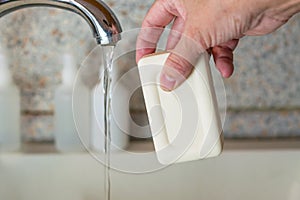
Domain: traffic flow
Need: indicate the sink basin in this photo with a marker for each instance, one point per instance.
(238, 174)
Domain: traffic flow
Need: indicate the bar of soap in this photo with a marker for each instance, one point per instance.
(185, 123)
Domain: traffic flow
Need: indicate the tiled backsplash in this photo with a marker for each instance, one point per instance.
(263, 95)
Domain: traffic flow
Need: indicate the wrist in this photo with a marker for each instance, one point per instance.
(283, 9)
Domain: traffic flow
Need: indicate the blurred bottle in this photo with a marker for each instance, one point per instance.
(66, 137)
(119, 124)
(10, 137)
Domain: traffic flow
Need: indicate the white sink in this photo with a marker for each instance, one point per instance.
(272, 174)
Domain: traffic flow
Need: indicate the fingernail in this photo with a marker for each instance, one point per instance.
(223, 74)
(167, 82)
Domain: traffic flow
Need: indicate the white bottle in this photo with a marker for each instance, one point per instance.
(10, 137)
(68, 137)
(119, 124)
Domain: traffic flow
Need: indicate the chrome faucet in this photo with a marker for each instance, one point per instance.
(99, 16)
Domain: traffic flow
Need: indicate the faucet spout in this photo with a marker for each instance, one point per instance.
(97, 14)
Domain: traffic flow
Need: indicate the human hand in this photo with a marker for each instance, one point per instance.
(214, 25)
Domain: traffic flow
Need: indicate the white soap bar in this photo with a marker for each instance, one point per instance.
(185, 122)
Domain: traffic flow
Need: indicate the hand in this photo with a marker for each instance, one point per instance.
(214, 25)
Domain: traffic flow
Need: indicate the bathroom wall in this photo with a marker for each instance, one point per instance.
(263, 96)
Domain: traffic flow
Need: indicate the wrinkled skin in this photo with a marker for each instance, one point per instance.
(214, 26)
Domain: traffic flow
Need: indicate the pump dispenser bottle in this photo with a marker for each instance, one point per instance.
(9, 109)
(67, 139)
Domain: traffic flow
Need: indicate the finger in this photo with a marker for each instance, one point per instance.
(147, 41)
(153, 25)
(175, 33)
(175, 71)
(179, 64)
(223, 57)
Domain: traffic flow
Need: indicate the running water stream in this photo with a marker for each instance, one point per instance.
(107, 81)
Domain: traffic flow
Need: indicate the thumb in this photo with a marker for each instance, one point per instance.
(180, 63)
(175, 71)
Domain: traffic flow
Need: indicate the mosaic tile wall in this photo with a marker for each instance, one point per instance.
(263, 96)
